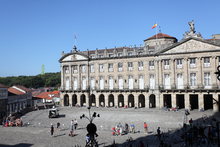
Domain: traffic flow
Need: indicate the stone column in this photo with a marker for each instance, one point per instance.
(136, 103)
(78, 99)
(71, 77)
(185, 73)
(79, 77)
(156, 64)
(187, 101)
(159, 100)
(106, 100)
(97, 100)
(116, 99)
(160, 73)
(147, 100)
(215, 100)
(87, 99)
(200, 73)
(214, 68)
(173, 99)
(126, 99)
(62, 81)
(201, 101)
(70, 99)
(173, 76)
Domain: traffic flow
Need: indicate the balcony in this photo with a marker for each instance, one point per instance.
(166, 66)
(207, 64)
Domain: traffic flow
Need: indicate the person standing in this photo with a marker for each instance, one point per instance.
(75, 124)
(145, 128)
(158, 133)
(51, 130)
(58, 125)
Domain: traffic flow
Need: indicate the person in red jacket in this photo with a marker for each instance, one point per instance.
(145, 127)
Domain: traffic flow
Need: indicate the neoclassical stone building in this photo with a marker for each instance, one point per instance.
(164, 72)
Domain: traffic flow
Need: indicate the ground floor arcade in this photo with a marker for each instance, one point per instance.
(200, 101)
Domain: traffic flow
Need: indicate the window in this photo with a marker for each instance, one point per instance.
(92, 68)
(152, 82)
(111, 82)
(75, 83)
(192, 62)
(92, 83)
(83, 83)
(206, 62)
(180, 81)
(140, 65)
(179, 63)
(141, 82)
(67, 86)
(75, 70)
(120, 66)
(130, 66)
(166, 64)
(151, 64)
(92, 56)
(192, 79)
(101, 56)
(120, 82)
(207, 80)
(130, 82)
(110, 67)
(110, 55)
(83, 68)
(129, 53)
(66, 69)
(119, 54)
(167, 81)
(101, 68)
(101, 83)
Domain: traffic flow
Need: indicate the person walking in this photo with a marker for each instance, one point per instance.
(145, 128)
(51, 130)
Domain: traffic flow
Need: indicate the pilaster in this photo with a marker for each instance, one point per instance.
(173, 99)
(201, 101)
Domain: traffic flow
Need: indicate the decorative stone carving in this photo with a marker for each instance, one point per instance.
(192, 46)
(192, 32)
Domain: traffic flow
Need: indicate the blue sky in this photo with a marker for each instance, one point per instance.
(35, 32)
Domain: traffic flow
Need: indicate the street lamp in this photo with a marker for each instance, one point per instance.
(91, 128)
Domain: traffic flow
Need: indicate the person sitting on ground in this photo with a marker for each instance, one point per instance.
(132, 128)
(126, 128)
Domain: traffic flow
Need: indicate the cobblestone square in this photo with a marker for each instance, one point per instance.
(36, 129)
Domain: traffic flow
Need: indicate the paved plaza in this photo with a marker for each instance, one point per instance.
(36, 129)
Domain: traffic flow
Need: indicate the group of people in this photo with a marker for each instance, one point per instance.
(119, 129)
(73, 126)
(11, 121)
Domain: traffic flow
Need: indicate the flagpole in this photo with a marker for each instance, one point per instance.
(156, 34)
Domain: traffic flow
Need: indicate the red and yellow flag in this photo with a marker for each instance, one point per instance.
(154, 26)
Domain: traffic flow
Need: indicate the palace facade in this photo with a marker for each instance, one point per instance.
(162, 73)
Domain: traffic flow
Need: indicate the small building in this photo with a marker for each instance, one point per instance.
(3, 101)
(19, 98)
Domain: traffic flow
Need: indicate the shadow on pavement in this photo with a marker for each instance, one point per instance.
(202, 132)
(17, 145)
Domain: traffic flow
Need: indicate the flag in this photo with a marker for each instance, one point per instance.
(154, 26)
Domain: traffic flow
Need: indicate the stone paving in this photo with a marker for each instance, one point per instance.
(36, 130)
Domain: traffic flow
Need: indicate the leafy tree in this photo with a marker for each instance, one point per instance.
(48, 80)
